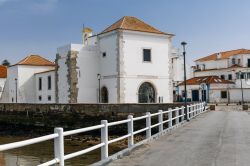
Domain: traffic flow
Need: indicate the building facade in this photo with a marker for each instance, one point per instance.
(231, 77)
(3, 76)
(129, 62)
(21, 85)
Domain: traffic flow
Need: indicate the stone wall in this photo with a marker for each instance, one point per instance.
(41, 119)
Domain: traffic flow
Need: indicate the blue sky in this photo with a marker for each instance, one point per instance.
(40, 26)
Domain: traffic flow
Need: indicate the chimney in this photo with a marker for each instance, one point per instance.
(218, 55)
(86, 33)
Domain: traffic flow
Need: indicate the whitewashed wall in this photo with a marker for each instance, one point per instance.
(25, 83)
(108, 65)
(45, 92)
(2, 82)
(136, 71)
(88, 64)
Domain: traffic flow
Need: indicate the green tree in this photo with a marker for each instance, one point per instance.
(5, 62)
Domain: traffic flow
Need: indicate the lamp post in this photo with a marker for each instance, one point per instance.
(16, 88)
(185, 77)
(99, 87)
(242, 95)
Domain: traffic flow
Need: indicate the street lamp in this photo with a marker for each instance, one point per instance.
(185, 77)
(242, 95)
(16, 88)
(99, 87)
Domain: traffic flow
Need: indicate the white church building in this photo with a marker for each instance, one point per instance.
(128, 62)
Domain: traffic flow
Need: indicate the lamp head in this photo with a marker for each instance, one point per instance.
(183, 44)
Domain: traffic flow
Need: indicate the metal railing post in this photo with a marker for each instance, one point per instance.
(176, 115)
(59, 146)
(182, 113)
(160, 120)
(104, 139)
(148, 125)
(170, 118)
(130, 131)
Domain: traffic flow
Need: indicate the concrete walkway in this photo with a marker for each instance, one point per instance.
(216, 138)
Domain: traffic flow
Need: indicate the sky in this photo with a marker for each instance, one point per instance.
(41, 26)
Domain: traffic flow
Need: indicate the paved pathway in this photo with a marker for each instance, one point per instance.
(216, 138)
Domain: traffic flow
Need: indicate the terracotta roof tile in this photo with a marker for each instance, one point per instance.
(3, 71)
(35, 60)
(133, 24)
(224, 55)
(207, 80)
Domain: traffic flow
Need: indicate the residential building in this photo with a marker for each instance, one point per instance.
(45, 86)
(225, 75)
(3, 76)
(21, 82)
(128, 62)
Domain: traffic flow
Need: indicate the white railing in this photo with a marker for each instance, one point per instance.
(174, 117)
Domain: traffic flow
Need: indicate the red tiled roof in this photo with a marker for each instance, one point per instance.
(133, 24)
(224, 55)
(35, 60)
(3, 71)
(207, 80)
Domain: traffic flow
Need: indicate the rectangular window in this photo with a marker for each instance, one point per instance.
(230, 77)
(224, 94)
(248, 63)
(40, 83)
(49, 98)
(233, 61)
(40, 98)
(242, 75)
(238, 61)
(222, 77)
(49, 82)
(147, 55)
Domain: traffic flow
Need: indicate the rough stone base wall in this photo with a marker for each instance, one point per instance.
(40, 119)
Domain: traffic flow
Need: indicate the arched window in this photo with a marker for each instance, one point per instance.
(146, 93)
(104, 95)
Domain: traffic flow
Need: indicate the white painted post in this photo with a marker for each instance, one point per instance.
(176, 115)
(104, 139)
(148, 125)
(200, 107)
(182, 113)
(160, 120)
(131, 131)
(59, 146)
(188, 112)
(196, 108)
(170, 118)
